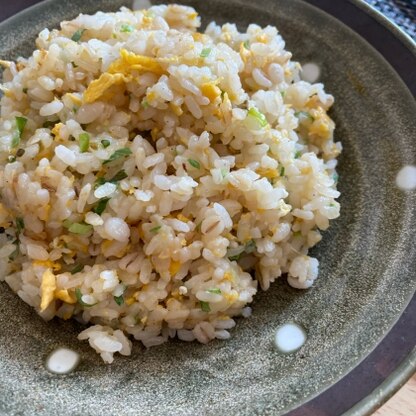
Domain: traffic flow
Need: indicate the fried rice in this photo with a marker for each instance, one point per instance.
(153, 176)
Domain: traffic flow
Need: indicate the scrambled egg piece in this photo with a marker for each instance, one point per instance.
(176, 109)
(231, 297)
(100, 86)
(65, 296)
(56, 131)
(47, 263)
(174, 267)
(198, 36)
(182, 218)
(47, 287)
(229, 276)
(210, 90)
(268, 173)
(129, 61)
(262, 38)
(323, 126)
(75, 99)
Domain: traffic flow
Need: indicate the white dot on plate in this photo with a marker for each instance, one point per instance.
(290, 337)
(310, 72)
(62, 361)
(406, 178)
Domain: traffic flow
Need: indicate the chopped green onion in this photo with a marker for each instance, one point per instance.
(215, 290)
(126, 28)
(205, 306)
(145, 104)
(283, 93)
(25, 90)
(256, 120)
(20, 224)
(78, 295)
(11, 159)
(198, 227)
(304, 114)
(194, 163)
(67, 223)
(298, 154)
(100, 181)
(332, 204)
(224, 172)
(205, 52)
(282, 171)
(74, 65)
(76, 37)
(297, 234)
(125, 151)
(78, 268)
(79, 228)
(155, 229)
(101, 206)
(49, 124)
(15, 139)
(20, 152)
(246, 44)
(250, 246)
(84, 142)
(16, 252)
(119, 300)
(105, 143)
(21, 123)
(120, 175)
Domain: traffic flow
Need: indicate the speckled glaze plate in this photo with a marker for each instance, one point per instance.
(368, 257)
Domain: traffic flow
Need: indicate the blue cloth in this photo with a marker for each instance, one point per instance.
(402, 12)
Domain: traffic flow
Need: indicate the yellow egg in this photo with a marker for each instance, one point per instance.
(174, 267)
(65, 296)
(262, 38)
(75, 99)
(231, 297)
(47, 263)
(47, 287)
(129, 301)
(210, 90)
(56, 131)
(268, 173)
(322, 126)
(228, 276)
(182, 218)
(98, 87)
(176, 109)
(129, 61)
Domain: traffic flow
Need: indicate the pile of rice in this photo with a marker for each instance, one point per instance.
(152, 176)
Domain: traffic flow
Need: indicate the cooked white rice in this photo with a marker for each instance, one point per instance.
(161, 174)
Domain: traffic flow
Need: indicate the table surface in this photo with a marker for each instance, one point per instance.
(403, 403)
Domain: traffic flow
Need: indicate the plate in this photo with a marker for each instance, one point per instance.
(368, 256)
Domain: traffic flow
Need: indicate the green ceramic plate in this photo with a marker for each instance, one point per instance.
(368, 257)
